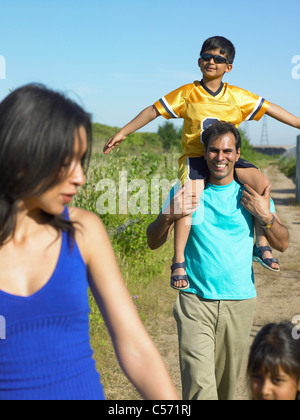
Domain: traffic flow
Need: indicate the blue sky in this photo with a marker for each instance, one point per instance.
(116, 57)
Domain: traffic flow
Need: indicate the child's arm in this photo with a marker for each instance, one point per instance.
(283, 116)
(145, 117)
(253, 177)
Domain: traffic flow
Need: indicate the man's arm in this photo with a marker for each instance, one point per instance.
(283, 116)
(278, 235)
(159, 231)
(259, 207)
(182, 204)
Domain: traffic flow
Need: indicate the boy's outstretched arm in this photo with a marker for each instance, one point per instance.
(145, 117)
(283, 116)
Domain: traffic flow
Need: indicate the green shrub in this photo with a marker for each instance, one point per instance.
(288, 167)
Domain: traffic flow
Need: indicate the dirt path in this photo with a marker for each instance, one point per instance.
(278, 293)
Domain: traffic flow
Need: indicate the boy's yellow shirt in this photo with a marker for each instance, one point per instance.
(200, 107)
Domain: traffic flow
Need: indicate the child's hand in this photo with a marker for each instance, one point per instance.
(113, 142)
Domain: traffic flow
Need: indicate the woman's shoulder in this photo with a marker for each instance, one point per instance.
(89, 230)
(83, 216)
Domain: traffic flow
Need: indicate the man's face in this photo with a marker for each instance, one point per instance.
(221, 156)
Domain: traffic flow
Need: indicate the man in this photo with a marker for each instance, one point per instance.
(215, 315)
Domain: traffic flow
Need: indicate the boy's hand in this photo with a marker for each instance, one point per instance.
(113, 142)
(146, 116)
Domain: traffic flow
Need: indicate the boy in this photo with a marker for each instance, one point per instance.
(201, 104)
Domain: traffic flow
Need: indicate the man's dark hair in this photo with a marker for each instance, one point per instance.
(220, 128)
(225, 46)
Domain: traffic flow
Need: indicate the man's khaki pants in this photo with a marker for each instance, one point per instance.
(213, 339)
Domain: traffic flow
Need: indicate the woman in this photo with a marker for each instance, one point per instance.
(50, 255)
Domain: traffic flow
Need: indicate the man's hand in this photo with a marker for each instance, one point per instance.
(258, 205)
(113, 142)
(183, 204)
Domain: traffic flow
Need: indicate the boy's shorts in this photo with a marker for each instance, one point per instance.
(196, 168)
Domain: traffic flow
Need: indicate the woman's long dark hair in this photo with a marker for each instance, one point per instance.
(275, 346)
(37, 134)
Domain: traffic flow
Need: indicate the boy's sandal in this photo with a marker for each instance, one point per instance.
(178, 278)
(265, 262)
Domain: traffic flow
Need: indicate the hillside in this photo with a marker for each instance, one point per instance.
(157, 145)
(135, 144)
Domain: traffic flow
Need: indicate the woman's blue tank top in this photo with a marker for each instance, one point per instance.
(46, 353)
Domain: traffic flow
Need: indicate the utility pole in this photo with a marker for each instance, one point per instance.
(298, 171)
(264, 134)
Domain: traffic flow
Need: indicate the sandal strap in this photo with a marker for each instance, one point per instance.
(270, 261)
(178, 265)
(178, 278)
(263, 249)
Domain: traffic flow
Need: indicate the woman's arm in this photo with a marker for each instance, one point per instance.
(137, 354)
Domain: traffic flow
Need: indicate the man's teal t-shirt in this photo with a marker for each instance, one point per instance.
(220, 246)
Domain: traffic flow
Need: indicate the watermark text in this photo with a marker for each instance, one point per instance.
(296, 68)
(138, 196)
(135, 196)
(2, 67)
(2, 328)
(296, 329)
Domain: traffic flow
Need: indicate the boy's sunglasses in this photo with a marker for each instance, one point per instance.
(218, 59)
